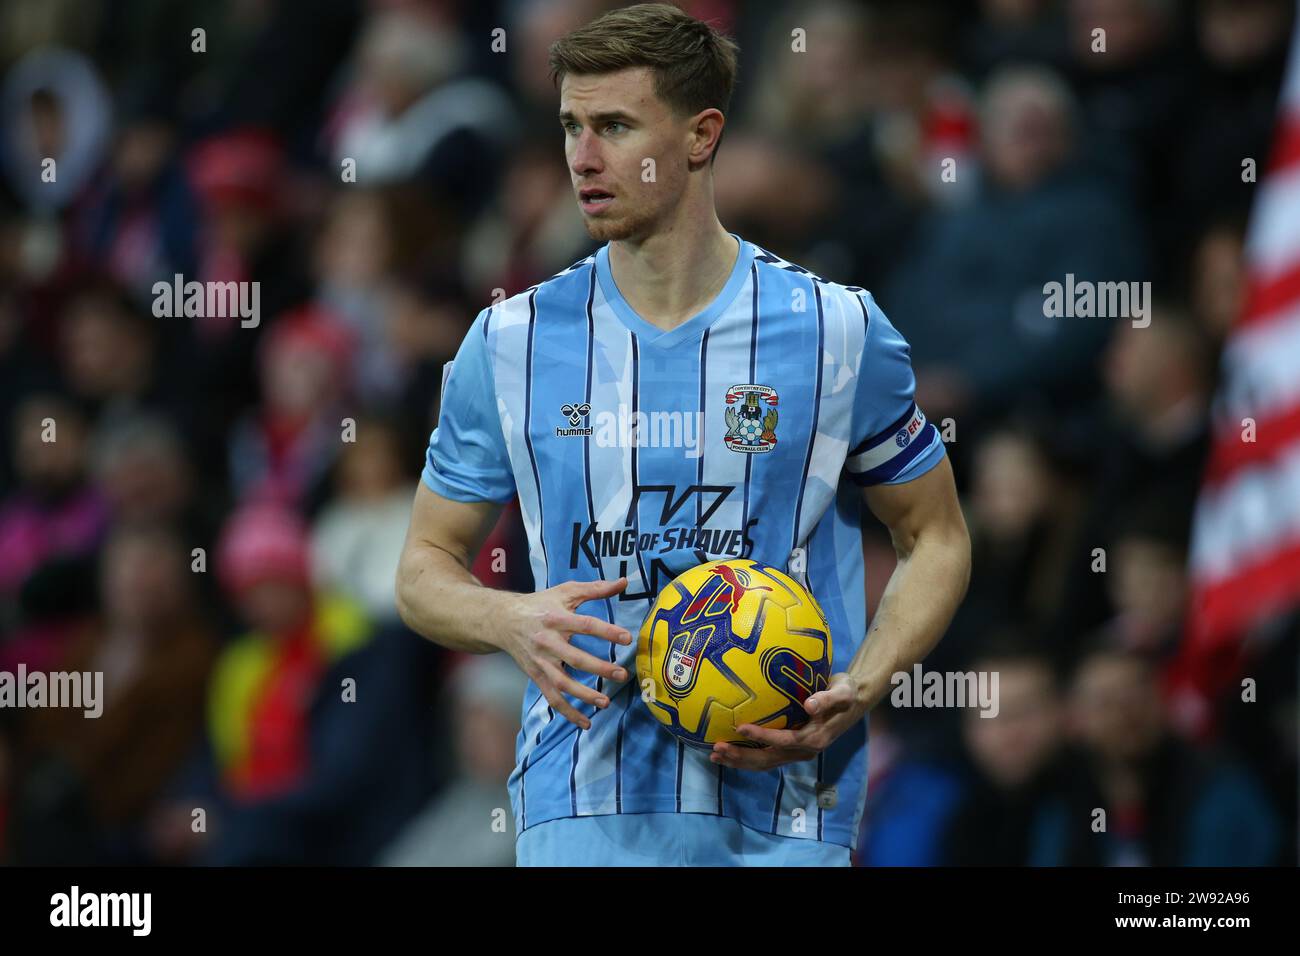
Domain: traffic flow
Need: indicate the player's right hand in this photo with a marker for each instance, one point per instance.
(537, 635)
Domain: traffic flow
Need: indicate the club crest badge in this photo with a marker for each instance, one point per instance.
(751, 418)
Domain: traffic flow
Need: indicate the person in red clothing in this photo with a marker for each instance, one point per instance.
(316, 753)
(265, 690)
(266, 680)
(282, 450)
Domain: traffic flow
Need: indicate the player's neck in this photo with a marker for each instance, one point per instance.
(673, 275)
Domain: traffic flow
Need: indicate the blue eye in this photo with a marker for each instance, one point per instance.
(610, 126)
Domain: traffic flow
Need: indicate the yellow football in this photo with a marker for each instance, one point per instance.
(732, 642)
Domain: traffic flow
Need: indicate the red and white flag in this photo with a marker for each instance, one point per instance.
(1245, 551)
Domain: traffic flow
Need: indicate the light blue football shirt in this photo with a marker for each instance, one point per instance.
(638, 452)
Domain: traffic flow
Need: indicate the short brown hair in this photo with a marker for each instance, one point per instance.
(694, 65)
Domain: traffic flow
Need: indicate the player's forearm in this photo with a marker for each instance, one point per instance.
(918, 604)
(438, 598)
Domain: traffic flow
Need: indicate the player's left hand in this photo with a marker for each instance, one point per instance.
(830, 713)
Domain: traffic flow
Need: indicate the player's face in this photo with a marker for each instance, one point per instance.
(613, 123)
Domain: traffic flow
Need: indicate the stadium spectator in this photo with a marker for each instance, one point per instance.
(1022, 515)
(282, 451)
(141, 466)
(137, 220)
(1015, 31)
(469, 822)
(111, 356)
(1012, 794)
(529, 228)
(812, 146)
(373, 244)
(147, 475)
(50, 527)
(1157, 382)
(315, 751)
(1025, 803)
(357, 538)
(412, 113)
(1228, 120)
(1127, 72)
(1166, 804)
(54, 108)
(1218, 282)
(982, 338)
(1148, 580)
(424, 323)
(247, 234)
(154, 648)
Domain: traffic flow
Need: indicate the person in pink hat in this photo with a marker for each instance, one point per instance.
(266, 680)
(314, 754)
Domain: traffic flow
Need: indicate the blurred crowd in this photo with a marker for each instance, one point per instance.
(217, 523)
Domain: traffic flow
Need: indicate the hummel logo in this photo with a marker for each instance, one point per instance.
(576, 413)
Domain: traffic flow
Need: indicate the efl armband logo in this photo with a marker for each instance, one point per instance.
(910, 430)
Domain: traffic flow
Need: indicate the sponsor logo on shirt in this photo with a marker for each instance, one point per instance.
(625, 549)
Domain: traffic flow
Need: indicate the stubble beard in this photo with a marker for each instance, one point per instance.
(635, 224)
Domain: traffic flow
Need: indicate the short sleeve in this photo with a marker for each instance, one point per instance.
(467, 458)
(892, 442)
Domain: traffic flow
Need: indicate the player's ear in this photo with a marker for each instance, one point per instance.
(705, 132)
